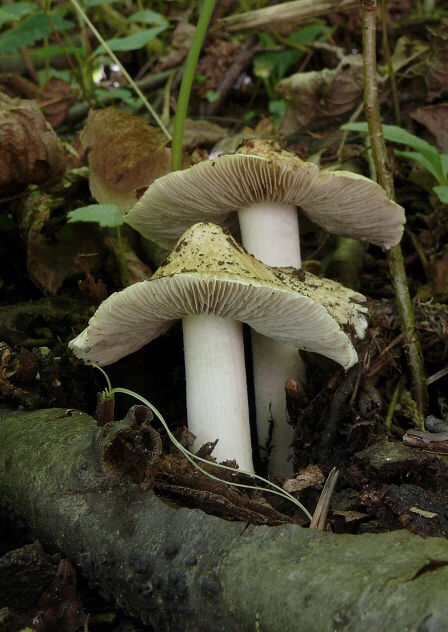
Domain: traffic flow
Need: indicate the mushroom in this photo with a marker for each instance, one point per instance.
(265, 184)
(214, 285)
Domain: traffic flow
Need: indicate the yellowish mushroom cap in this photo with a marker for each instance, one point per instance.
(209, 273)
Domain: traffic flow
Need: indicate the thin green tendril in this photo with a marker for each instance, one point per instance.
(193, 458)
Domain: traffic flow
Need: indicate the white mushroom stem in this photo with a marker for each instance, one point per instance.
(217, 405)
(270, 232)
(273, 364)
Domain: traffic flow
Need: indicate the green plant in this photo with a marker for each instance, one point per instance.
(107, 216)
(33, 22)
(196, 460)
(187, 82)
(271, 66)
(395, 258)
(425, 154)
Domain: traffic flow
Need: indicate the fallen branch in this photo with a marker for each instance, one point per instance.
(181, 569)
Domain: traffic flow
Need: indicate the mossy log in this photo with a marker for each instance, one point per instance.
(181, 569)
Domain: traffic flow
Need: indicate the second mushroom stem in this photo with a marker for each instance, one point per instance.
(270, 232)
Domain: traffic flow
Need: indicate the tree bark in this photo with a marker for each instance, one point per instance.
(181, 569)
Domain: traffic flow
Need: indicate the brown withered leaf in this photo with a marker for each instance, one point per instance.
(55, 99)
(51, 252)
(435, 69)
(407, 50)
(125, 155)
(30, 151)
(25, 573)
(322, 94)
(14, 86)
(181, 40)
(435, 118)
(311, 476)
(59, 606)
(201, 132)
(437, 286)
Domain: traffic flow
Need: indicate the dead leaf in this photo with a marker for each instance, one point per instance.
(60, 607)
(180, 45)
(437, 287)
(202, 132)
(435, 69)
(51, 256)
(30, 151)
(435, 118)
(322, 94)
(55, 99)
(125, 154)
(14, 86)
(407, 49)
(311, 476)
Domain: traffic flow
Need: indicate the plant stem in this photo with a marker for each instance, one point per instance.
(390, 66)
(187, 82)
(395, 256)
(123, 266)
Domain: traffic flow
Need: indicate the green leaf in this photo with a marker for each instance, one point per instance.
(121, 94)
(280, 62)
(106, 215)
(131, 42)
(51, 51)
(444, 161)
(212, 96)
(16, 11)
(44, 74)
(426, 160)
(278, 108)
(95, 3)
(395, 134)
(33, 29)
(442, 193)
(149, 17)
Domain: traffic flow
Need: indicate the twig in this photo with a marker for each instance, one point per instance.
(285, 13)
(323, 504)
(394, 255)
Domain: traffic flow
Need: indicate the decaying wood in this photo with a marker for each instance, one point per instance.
(181, 569)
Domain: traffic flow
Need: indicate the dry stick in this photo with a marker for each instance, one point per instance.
(285, 13)
(394, 255)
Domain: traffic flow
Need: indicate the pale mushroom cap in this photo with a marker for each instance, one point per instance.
(341, 202)
(209, 273)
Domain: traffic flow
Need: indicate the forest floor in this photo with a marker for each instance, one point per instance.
(296, 82)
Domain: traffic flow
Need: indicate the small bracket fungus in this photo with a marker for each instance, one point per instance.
(214, 285)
